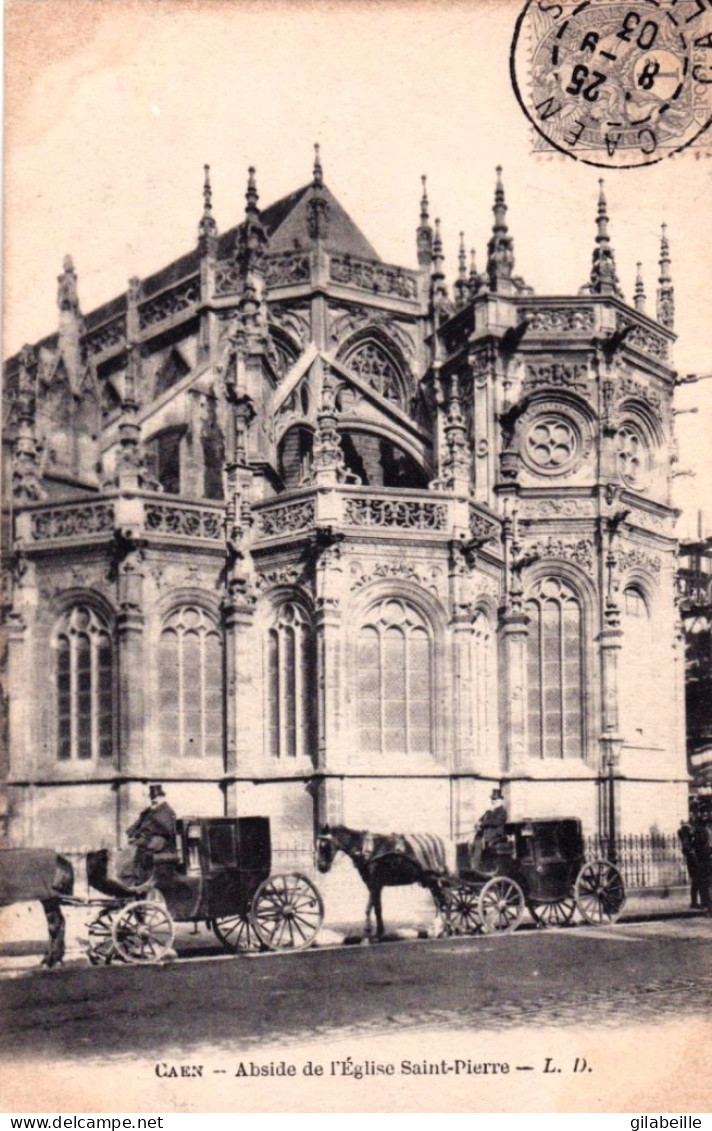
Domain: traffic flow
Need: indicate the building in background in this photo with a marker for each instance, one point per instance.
(306, 534)
(695, 595)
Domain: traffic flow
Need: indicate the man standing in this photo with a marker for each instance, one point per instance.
(686, 836)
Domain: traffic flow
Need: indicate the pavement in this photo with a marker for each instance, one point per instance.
(408, 914)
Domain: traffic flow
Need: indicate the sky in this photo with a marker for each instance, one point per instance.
(113, 107)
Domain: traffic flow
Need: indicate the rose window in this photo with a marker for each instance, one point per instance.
(631, 455)
(551, 444)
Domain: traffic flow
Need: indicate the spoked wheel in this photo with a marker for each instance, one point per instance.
(143, 932)
(237, 933)
(101, 941)
(600, 893)
(501, 906)
(287, 912)
(556, 914)
(460, 908)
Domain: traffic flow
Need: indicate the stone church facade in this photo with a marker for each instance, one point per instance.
(301, 533)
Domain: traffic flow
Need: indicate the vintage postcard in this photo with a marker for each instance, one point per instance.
(357, 546)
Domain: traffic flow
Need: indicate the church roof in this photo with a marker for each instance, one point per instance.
(286, 223)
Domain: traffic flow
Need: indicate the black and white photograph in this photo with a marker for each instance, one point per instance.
(356, 683)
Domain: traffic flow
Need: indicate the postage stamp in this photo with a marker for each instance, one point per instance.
(615, 84)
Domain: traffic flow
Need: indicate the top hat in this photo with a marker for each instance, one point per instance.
(156, 790)
(496, 795)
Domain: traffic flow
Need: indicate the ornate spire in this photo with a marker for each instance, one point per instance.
(251, 196)
(438, 290)
(604, 279)
(207, 229)
(26, 478)
(318, 179)
(252, 238)
(500, 249)
(639, 289)
(329, 466)
(424, 233)
(666, 291)
(318, 205)
(462, 288)
(67, 298)
(474, 280)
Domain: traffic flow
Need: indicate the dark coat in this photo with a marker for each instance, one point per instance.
(155, 829)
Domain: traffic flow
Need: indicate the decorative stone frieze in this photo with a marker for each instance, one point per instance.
(429, 577)
(169, 304)
(403, 513)
(551, 374)
(184, 521)
(74, 520)
(482, 527)
(639, 559)
(287, 270)
(579, 551)
(558, 320)
(367, 275)
(556, 508)
(285, 518)
(107, 337)
(644, 339)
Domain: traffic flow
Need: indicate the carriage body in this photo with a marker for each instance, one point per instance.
(217, 868)
(538, 864)
(544, 856)
(219, 873)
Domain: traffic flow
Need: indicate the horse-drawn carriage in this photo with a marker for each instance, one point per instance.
(219, 874)
(537, 865)
(534, 864)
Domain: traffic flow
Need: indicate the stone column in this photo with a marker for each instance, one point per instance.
(329, 661)
(513, 651)
(243, 738)
(130, 658)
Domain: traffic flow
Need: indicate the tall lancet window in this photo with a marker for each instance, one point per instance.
(636, 677)
(190, 684)
(395, 681)
(555, 671)
(484, 682)
(85, 686)
(290, 683)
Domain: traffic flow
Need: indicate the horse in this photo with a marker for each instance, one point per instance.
(28, 874)
(392, 860)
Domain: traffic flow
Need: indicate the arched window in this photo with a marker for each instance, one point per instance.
(555, 671)
(85, 687)
(632, 456)
(635, 673)
(290, 684)
(394, 681)
(484, 684)
(373, 364)
(296, 451)
(191, 684)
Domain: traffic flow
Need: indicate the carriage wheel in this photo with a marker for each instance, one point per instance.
(237, 933)
(461, 908)
(287, 912)
(501, 905)
(101, 941)
(556, 914)
(600, 893)
(142, 932)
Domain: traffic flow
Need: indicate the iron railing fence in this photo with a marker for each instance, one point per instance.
(649, 860)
